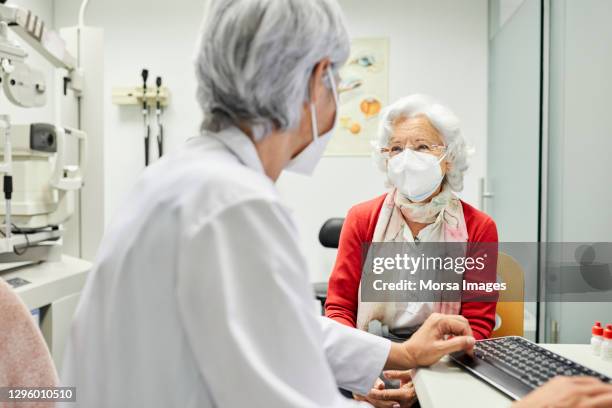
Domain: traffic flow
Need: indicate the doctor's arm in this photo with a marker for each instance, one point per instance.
(365, 351)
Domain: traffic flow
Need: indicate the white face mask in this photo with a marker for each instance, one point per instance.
(416, 175)
(306, 161)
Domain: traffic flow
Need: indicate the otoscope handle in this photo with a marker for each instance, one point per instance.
(158, 82)
(145, 77)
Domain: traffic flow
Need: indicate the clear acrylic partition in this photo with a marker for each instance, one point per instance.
(579, 199)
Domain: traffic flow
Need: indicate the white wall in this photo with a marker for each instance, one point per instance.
(437, 47)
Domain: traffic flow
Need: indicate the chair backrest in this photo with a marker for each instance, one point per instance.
(25, 360)
(510, 312)
(329, 235)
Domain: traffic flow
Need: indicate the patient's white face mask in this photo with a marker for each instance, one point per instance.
(306, 161)
(416, 175)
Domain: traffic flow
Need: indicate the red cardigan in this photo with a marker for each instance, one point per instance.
(358, 229)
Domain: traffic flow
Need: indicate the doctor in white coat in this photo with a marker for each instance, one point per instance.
(199, 296)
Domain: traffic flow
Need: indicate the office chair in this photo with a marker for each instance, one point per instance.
(509, 314)
(329, 237)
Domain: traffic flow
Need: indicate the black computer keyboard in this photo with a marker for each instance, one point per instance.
(517, 366)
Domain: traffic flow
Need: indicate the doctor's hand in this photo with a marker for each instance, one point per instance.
(569, 392)
(431, 342)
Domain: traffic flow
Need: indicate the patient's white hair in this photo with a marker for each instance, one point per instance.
(441, 117)
(255, 59)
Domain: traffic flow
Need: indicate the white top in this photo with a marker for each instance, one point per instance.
(199, 297)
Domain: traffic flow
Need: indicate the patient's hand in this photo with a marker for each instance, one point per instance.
(566, 392)
(429, 344)
(403, 397)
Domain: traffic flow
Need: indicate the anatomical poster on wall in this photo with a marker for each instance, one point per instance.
(364, 92)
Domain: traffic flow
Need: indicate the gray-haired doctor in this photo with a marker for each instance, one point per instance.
(200, 295)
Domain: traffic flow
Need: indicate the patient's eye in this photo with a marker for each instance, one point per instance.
(396, 149)
(423, 147)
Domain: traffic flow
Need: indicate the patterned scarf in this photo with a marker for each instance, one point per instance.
(444, 216)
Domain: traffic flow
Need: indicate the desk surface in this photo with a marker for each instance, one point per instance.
(446, 385)
(49, 281)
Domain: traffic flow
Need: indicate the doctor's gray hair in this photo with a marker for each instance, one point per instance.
(441, 117)
(255, 59)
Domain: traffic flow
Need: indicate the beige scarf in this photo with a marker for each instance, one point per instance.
(444, 214)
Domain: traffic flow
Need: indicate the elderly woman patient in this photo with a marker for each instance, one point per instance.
(422, 151)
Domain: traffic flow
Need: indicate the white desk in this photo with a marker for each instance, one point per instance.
(446, 385)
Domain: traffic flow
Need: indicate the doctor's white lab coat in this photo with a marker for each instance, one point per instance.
(200, 297)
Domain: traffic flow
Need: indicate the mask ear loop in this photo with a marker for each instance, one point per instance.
(314, 123)
(313, 110)
(332, 81)
(443, 156)
(313, 120)
(440, 161)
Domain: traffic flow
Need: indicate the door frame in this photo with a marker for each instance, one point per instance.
(541, 332)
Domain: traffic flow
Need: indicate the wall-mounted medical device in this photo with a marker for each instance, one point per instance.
(133, 96)
(43, 194)
(146, 97)
(23, 85)
(38, 182)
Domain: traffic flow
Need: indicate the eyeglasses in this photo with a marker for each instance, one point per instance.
(421, 147)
